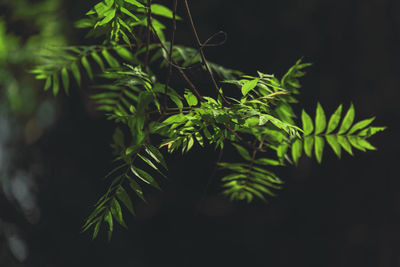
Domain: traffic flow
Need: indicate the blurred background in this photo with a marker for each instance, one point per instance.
(54, 152)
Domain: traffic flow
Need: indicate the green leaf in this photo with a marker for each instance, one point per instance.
(76, 73)
(319, 148)
(98, 60)
(249, 85)
(233, 176)
(156, 155)
(117, 212)
(348, 120)
(86, 65)
(190, 98)
(135, 3)
(56, 84)
(345, 144)
(243, 152)
(176, 100)
(364, 143)
(90, 224)
(190, 143)
(124, 53)
(320, 119)
(109, 16)
(65, 80)
(370, 131)
(124, 197)
(297, 150)
(151, 164)
(109, 220)
(127, 12)
(262, 120)
(101, 8)
(47, 83)
(96, 230)
(145, 177)
(308, 145)
(110, 59)
(199, 138)
(308, 126)
(361, 125)
(334, 144)
(354, 142)
(161, 10)
(334, 120)
(266, 161)
(136, 188)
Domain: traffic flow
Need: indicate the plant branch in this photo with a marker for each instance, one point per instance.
(190, 83)
(148, 33)
(170, 49)
(200, 47)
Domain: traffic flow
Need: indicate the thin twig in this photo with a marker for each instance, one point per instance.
(171, 47)
(148, 33)
(203, 58)
(191, 85)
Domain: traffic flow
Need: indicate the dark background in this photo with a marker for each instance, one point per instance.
(341, 213)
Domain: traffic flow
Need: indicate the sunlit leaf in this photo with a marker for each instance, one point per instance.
(145, 177)
(320, 120)
(76, 73)
(127, 12)
(161, 10)
(96, 230)
(308, 145)
(242, 151)
(124, 197)
(190, 98)
(249, 85)
(360, 125)
(47, 83)
(370, 131)
(156, 155)
(117, 212)
(136, 188)
(334, 120)
(334, 144)
(98, 60)
(86, 65)
(266, 161)
(65, 79)
(109, 16)
(347, 120)
(135, 3)
(345, 144)
(110, 59)
(308, 126)
(297, 150)
(56, 84)
(319, 148)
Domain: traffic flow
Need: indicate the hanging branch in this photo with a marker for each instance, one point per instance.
(261, 114)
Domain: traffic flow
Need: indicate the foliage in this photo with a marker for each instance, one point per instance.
(257, 119)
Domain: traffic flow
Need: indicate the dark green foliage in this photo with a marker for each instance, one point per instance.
(260, 124)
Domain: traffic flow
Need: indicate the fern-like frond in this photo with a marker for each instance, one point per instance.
(59, 64)
(250, 179)
(347, 136)
(126, 174)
